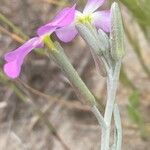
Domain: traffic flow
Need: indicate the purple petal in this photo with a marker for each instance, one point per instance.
(101, 19)
(12, 69)
(64, 18)
(15, 59)
(92, 5)
(46, 29)
(66, 34)
(29, 45)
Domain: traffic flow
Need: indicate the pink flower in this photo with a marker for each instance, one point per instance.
(14, 59)
(101, 19)
(64, 27)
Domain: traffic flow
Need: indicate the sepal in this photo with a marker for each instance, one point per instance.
(116, 33)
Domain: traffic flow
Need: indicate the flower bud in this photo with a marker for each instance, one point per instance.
(88, 36)
(103, 40)
(98, 41)
(117, 33)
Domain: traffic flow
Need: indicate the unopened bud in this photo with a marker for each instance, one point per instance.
(117, 33)
(104, 40)
(88, 36)
(98, 41)
(99, 64)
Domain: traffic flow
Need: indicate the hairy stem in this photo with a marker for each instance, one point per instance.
(118, 128)
(112, 82)
(99, 117)
(61, 59)
(58, 55)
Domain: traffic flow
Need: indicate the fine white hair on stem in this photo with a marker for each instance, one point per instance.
(99, 117)
(118, 127)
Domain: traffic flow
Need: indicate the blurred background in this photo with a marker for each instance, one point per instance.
(40, 111)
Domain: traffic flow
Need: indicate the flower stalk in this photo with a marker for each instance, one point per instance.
(109, 51)
(112, 83)
(117, 53)
(56, 52)
(118, 129)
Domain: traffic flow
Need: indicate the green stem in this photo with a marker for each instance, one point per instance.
(112, 82)
(58, 55)
(118, 127)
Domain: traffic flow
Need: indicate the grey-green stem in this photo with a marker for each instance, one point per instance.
(112, 82)
(57, 54)
(100, 50)
(61, 59)
(118, 128)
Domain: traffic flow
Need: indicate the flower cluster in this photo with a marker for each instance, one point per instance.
(64, 27)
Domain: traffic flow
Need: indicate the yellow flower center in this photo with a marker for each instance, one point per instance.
(85, 19)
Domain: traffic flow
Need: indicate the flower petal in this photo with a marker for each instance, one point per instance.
(12, 69)
(64, 18)
(66, 34)
(46, 29)
(15, 59)
(27, 46)
(92, 5)
(101, 19)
